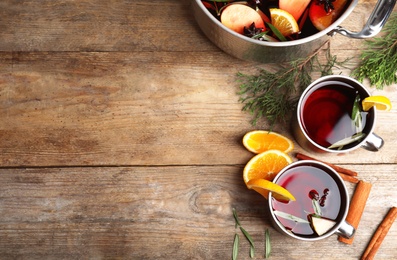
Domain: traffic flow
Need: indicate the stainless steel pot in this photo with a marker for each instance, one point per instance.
(245, 48)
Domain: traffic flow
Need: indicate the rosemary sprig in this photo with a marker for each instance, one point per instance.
(268, 247)
(289, 217)
(357, 125)
(379, 59)
(236, 246)
(250, 240)
(273, 95)
(236, 218)
(348, 140)
(356, 115)
(316, 207)
(237, 239)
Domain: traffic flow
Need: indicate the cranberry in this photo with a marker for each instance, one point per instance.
(324, 197)
(322, 201)
(313, 194)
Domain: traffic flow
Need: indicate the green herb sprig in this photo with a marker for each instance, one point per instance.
(237, 239)
(357, 125)
(268, 246)
(236, 244)
(273, 95)
(289, 217)
(316, 207)
(356, 115)
(348, 140)
(379, 59)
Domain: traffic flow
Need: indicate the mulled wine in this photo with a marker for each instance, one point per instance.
(318, 194)
(327, 114)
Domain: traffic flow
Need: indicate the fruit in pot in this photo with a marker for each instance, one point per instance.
(283, 21)
(263, 15)
(238, 16)
(294, 7)
(323, 13)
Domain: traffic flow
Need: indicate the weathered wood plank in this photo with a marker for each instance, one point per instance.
(159, 212)
(99, 26)
(135, 83)
(91, 103)
(133, 108)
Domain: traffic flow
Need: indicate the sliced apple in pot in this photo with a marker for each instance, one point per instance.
(238, 16)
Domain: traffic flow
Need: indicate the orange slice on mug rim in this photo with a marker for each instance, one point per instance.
(265, 165)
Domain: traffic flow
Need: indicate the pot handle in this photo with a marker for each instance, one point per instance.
(375, 22)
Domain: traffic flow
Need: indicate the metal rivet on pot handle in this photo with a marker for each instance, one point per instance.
(375, 22)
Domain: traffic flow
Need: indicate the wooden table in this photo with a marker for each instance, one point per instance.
(120, 138)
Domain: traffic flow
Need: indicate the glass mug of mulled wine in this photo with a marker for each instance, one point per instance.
(321, 205)
(329, 117)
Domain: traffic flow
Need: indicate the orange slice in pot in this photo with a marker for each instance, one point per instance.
(283, 21)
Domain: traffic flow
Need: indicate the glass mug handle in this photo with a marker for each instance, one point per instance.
(373, 143)
(345, 230)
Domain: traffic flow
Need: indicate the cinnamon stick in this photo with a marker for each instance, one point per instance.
(357, 206)
(380, 234)
(348, 178)
(300, 156)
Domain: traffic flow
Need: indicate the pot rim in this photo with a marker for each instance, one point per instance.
(315, 36)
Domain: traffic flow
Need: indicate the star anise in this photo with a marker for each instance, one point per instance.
(328, 6)
(252, 31)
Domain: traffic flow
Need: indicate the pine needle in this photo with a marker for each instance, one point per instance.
(379, 59)
(273, 95)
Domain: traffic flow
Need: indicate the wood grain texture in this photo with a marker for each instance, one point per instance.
(124, 109)
(158, 212)
(87, 25)
(120, 138)
(127, 108)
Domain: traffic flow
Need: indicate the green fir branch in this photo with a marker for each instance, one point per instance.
(273, 95)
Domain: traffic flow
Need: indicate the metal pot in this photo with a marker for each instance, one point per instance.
(245, 48)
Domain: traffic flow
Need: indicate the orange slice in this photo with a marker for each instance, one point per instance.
(263, 187)
(259, 141)
(380, 102)
(283, 21)
(265, 165)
